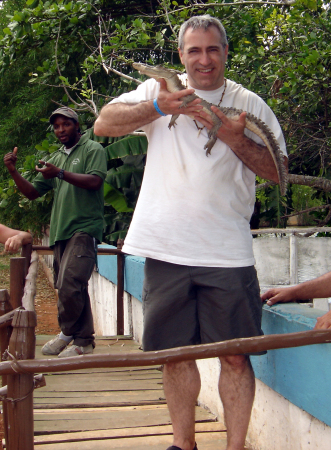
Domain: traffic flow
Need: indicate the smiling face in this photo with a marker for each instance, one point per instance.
(204, 57)
(66, 130)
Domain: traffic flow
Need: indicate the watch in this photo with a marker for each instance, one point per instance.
(60, 174)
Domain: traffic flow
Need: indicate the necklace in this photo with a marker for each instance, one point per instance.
(219, 103)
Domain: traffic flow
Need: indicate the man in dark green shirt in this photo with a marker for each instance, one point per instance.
(76, 173)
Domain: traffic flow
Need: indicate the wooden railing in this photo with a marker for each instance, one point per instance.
(17, 340)
(17, 337)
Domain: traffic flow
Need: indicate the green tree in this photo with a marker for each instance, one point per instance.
(80, 53)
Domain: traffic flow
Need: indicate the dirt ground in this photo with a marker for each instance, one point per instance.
(45, 300)
(45, 303)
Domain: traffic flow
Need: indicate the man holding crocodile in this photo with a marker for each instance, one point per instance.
(192, 223)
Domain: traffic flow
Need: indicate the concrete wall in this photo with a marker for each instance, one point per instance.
(290, 259)
(297, 397)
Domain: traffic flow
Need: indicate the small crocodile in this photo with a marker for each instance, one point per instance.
(253, 124)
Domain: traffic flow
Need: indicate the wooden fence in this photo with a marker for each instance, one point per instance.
(17, 341)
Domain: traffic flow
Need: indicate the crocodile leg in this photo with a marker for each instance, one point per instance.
(172, 122)
(212, 135)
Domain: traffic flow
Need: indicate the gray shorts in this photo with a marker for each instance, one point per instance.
(186, 305)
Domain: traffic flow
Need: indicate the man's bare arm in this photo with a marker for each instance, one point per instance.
(118, 119)
(13, 239)
(81, 180)
(317, 288)
(255, 156)
(14, 243)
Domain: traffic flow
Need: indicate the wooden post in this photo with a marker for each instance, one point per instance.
(120, 289)
(5, 307)
(26, 253)
(5, 333)
(20, 387)
(17, 281)
(30, 287)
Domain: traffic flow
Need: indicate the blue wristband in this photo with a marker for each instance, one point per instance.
(156, 106)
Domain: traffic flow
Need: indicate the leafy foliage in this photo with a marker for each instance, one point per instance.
(69, 53)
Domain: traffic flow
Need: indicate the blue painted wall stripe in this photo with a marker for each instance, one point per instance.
(107, 265)
(133, 271)
(302, 374)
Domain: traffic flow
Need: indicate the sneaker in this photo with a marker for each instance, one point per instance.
(54, 346)
(76, 350)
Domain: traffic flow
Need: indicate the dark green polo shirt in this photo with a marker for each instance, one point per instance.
(76, 209)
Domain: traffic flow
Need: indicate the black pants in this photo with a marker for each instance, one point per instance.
(74, 261)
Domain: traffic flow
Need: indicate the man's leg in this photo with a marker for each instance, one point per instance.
(237, 390)
(170, 320)
(181, 384)
(76, 266)
(61, 341)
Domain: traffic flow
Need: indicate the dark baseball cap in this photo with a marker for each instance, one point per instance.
(64, 111)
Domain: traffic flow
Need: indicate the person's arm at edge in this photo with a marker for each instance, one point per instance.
(323, 322)
(317, 288)
(14, 243)
(13, 239)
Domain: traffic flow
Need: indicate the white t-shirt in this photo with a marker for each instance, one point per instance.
(193, 209)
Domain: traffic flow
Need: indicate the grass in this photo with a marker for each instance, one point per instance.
(4, 265)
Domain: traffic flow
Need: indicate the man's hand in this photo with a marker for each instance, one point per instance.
(278, 295)
(10, 160)
(231, 132)
(48, 170)
(255, 156)
(324, 322)
(171, 103)
(22, 183)
(282, 295)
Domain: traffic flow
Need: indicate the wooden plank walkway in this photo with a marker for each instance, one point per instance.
(120, 408)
